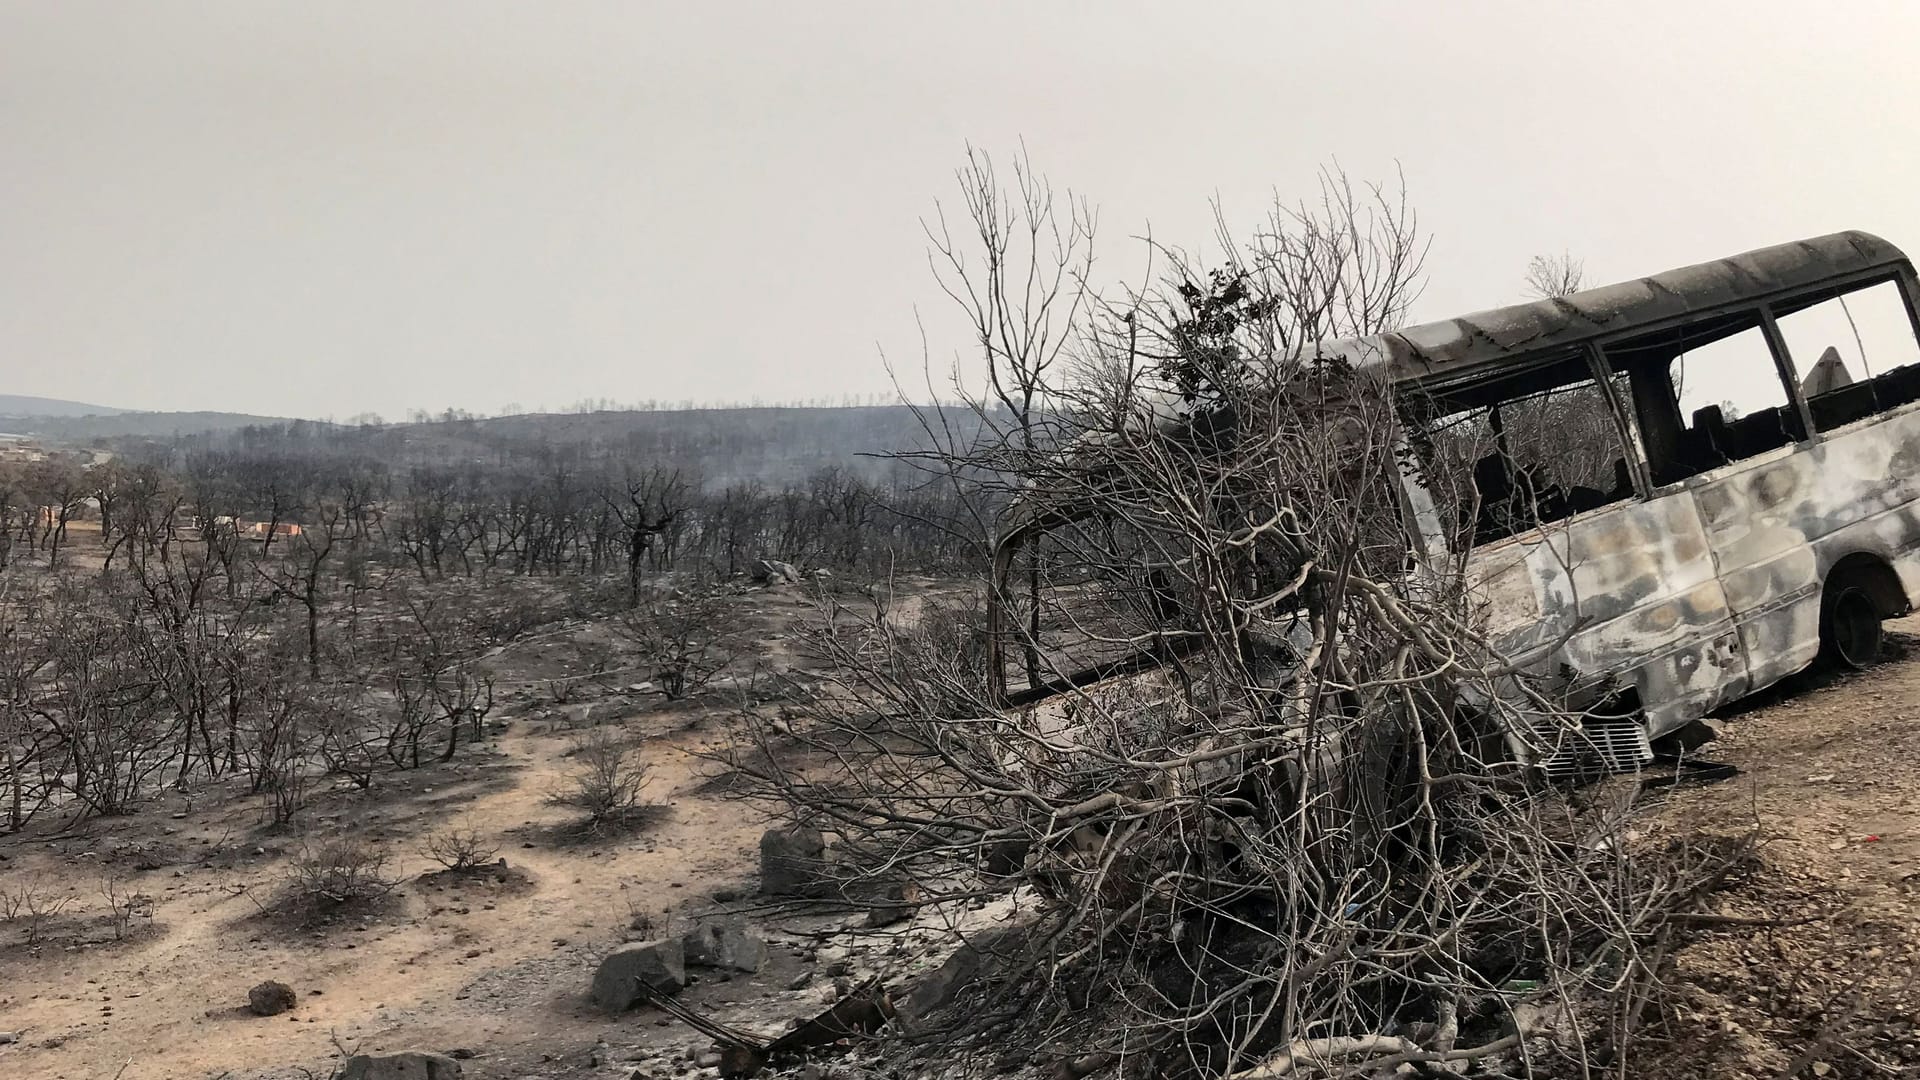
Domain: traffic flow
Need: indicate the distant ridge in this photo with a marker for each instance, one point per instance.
(775, 445)
(28, 406)
(84, 428)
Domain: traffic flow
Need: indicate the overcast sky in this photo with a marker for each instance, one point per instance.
(322, 208)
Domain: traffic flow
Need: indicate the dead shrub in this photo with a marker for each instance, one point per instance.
(32, 904)
(945, 650)
(459, 849)
(607, 780)
(643, 922)
(338, 873)
(511, 613)
(125, 905)
(688, 637)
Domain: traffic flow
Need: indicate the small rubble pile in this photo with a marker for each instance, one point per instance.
(660, 967)
(407, 1066)
(793, 862)
(798, 862)
(774, 572)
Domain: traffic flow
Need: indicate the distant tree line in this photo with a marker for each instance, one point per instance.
(291, 603)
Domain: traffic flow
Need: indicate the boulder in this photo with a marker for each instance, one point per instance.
(724, 945)
(408, 1066)
(271, 998)
(661, 965)
(941, 987)
(773, 572)
(793, 862)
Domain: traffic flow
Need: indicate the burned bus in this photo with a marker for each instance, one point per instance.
(1682, 488)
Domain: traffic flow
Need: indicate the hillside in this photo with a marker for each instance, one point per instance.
(774, 445)
(24, 405)
(111, 424)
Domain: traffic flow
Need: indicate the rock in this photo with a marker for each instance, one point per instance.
(724, 945)
(793, 862)
(408, 1066)
(940, 988)
(773, 572)
(271, 998)
(607, 712)
(661, 965)
(8, 1038)
(889, 902)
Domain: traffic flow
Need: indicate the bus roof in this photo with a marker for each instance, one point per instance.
(1486, 339)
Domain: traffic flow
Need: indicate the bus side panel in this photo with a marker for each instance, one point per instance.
(1766, 564)
(1779, 523)
(1639, 581)
(1869, 497)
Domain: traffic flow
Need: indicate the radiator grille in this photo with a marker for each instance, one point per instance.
(1601, 746)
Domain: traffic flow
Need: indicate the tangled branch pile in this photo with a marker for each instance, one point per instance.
(1292, 840)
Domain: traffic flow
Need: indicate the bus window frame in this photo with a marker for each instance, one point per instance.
(1424, 527)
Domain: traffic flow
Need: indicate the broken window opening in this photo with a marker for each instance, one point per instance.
(1856, 351)
(1706, 393)
(1505, 455)
(1085, 595)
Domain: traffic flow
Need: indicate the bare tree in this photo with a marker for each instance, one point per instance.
(1296, 831)
(1554, 275)
(1017, 268)
(62, 490)
(652, 500)
(301, 574)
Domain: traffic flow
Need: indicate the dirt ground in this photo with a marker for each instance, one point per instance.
(1811, 972)
(458, 962)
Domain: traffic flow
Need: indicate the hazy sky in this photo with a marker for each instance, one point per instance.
(322, 208)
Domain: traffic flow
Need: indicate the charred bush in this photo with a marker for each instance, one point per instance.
(607, 781)
(334, 875)
(460, 849)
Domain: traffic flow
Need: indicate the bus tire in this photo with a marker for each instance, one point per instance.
(1850, 631)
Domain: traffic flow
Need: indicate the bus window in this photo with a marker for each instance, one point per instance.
(1856, 353)
(1706, 393)
(1509, 454)
(1080, 596)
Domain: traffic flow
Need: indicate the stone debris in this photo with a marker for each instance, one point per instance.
(407, 1066)
(774, 572)
(271, 998)
(793, 862)
(724, 945)
(661, 965)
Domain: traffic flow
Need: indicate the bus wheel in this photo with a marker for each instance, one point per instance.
(1849, 626)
